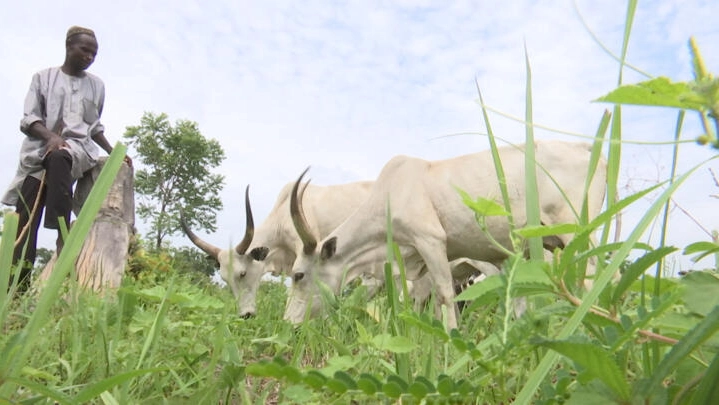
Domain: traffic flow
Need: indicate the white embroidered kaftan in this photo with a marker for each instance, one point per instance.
(66, 104)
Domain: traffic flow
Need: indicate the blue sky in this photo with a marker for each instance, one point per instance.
(343, 86)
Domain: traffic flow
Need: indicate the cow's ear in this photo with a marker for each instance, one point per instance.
(259, 253)
(328, 248)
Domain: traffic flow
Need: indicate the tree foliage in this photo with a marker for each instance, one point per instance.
(177, 173)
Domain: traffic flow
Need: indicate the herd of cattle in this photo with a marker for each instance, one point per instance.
(336, 234)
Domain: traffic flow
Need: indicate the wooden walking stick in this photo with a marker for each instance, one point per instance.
(35, 206)
(33, 212)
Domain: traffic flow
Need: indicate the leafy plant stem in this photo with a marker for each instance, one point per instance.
(576, 301)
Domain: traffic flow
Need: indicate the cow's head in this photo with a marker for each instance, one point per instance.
(240, 269)
(311, 267)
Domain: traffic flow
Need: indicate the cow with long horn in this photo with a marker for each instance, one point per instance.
(431, 224)
(234, 265)
(275, 244)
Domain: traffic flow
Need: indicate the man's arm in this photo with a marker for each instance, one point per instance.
(100, 139)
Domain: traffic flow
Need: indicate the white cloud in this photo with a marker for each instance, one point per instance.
(344, 86)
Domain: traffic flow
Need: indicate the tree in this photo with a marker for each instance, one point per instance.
(43, 257)
(178, 162)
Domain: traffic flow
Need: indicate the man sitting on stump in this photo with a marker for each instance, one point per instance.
(61, 123)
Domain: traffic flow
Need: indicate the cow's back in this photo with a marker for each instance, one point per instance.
(427, 193)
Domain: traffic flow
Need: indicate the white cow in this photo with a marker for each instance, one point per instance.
(274, 246)
(430, 222)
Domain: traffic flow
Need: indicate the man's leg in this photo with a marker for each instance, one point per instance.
(58, 203)
(29, 192)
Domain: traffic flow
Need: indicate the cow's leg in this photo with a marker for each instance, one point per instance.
(439, 271)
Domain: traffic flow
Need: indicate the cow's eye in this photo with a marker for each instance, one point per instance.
(298, 276)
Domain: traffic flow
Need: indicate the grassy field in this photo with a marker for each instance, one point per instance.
(173, 337)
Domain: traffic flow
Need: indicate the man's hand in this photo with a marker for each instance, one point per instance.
(52, 140)
(53, 143)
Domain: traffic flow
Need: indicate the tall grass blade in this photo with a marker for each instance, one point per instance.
(638, 267)
(499, 169)
(93, 391)
(536, 251)
(396, 324)
(7, 244)
(42, 390)
(548, 361)
(156, 327)
(65, 263)
(665, 216)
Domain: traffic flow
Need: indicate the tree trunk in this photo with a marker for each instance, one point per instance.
(102, 259)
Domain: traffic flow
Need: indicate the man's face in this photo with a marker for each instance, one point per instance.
(81, 51)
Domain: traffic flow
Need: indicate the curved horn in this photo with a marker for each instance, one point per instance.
(298, 218)
(204, 246)
(241, 248)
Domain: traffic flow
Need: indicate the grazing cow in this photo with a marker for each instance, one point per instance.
(274, 246)
(432, 225)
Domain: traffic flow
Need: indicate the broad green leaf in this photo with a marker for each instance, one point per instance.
(590, 394)
(479, 290)
(369, 384)
(705, 248)
(676, 324)
(418, 390)
(398, 380)
(598, 362)
(445, 385)
(336, 385)
(664, 304)
(688, 343)
(298, 394)
(700, 246)
(392, 389)
(465, 388)
(701, 292)
(232, 374)
(428, 384)
(708, 390)
(546, 230)
(292, 374)
(339, 363)
(529, 279)
(394, 344)
(483, 207)
(346, 378)
(665, 284)
(660, 92)
(532, 272)
(314, 379)
(638, 267)
(428, 325)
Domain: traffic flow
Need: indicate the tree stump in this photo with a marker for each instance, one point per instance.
(102, 259)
